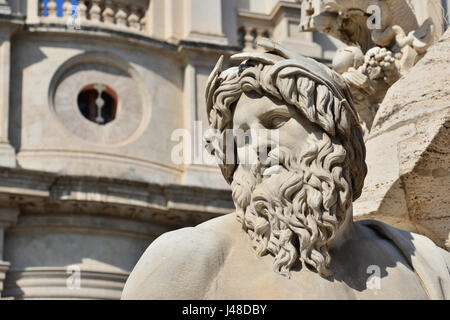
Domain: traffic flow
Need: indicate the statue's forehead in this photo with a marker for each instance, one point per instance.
(251, 106)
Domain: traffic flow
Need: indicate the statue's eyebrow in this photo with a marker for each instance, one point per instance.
(281, 110)
(277, 108)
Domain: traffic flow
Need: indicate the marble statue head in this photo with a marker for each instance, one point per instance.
(293, 199)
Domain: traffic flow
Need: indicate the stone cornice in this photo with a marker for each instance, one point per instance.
(10, 24)
(203, 53)
(99, 31)
(12, 18)
(178, 48)
(169, 205)
(210, 47)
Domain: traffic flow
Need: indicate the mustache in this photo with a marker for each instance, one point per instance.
(277, 159)
(262, 173)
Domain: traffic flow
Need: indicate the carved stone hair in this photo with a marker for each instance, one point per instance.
(317, 92)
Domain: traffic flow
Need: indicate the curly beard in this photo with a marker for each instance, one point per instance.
(294, 214)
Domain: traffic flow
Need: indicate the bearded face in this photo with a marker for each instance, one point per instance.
(294, 197)
(295, 176)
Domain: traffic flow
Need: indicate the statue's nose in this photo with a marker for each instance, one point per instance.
(264, 142)
(208, 137)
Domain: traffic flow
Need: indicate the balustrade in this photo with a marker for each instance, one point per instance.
(248, 36)
(125, 14)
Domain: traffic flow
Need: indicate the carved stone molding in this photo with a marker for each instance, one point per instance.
(57, 283)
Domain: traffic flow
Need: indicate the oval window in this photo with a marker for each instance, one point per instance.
(98, 103)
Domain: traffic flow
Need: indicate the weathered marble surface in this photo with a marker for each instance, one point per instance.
(408, 153)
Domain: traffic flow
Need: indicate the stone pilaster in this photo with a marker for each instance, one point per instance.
(204, 25)
(8, 217)
(198, 169)
(4, 267)
(7, 152)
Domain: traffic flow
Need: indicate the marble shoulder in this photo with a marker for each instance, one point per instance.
(178, 265)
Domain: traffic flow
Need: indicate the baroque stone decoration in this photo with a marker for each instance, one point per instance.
(292, 235)
(386, 39)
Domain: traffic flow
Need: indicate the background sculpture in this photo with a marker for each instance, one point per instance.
(387, 38)
(398, 73)
(408, 154)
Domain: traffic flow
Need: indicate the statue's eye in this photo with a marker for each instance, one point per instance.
(275, 121)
